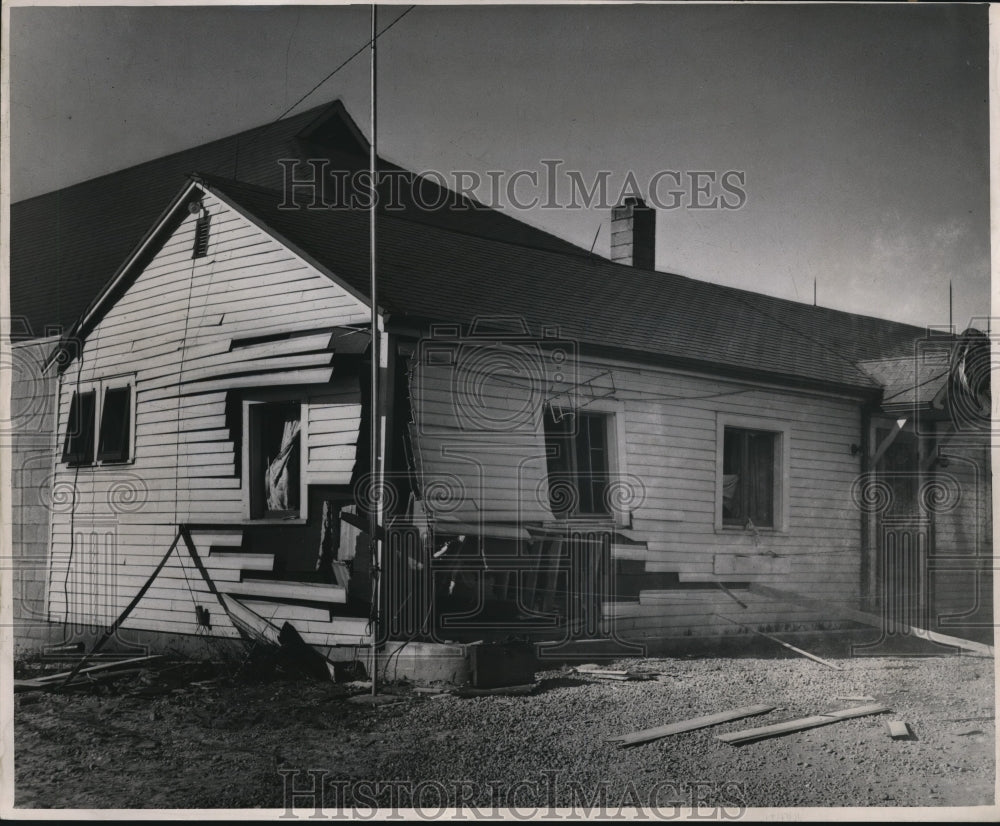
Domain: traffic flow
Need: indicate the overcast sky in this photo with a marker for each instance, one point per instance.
(862, 131)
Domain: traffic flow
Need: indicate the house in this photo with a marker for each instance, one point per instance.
(571, 450)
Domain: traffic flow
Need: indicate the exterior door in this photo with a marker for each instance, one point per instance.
(903, 534)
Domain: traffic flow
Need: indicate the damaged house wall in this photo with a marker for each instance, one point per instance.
(660, 468)
(714, 437)
(192, 339)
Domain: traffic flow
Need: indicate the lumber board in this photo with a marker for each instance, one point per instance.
(762, 733)
(871, 619)
(897, 729)
(647, 735)
(52, 678)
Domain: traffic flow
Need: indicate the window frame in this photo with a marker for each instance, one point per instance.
(783, 434)
(613, 413)
(98, 387)
(248, 455)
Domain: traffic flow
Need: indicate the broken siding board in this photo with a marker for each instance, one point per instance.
(345, 434)
(272, 379)
(240, 368)
(324, 453)
(164, 328)
(230, 323)
(279, 612)
(291, 590)
(332, 413)
(230, 362)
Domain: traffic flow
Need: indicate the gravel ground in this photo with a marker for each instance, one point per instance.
(236, 744)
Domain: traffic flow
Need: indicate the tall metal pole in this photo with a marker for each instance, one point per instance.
(376, 470)
(951, 321)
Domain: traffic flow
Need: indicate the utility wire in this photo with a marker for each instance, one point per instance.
(256, 135)
(366, 45)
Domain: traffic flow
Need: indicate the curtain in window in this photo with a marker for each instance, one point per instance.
(730, 486)
(276, 473)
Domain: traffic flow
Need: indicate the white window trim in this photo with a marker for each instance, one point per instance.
(98, 386)
(781, 467)
(617, 448)
(270, 398)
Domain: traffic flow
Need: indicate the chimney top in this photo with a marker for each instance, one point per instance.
(633, 233)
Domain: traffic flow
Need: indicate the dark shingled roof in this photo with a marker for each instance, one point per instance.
(66, 245)
(429, 272)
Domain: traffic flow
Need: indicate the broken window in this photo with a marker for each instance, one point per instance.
(116, 421)
(275, 460)
(578, 462)
(78, 448)
(748, 477)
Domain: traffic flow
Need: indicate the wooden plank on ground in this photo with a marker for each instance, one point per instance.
(52, 678)
(897, 729)
(762, 733)
(647, 735)
(789, 646)
(870, 619)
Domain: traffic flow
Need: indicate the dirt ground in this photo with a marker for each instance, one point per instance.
(183, 738)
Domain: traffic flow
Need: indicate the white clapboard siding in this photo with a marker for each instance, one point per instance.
(173, 333)
(500, 468)
(334, 420)
(668, 425)
(278, 612)
(312, 591)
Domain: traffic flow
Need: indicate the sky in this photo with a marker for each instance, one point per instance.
(858, 134)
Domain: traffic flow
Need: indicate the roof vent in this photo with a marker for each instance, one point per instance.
(201, 228)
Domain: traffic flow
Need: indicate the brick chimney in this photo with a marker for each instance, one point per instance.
(633, 234)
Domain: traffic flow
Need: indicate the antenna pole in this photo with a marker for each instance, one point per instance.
(594, 244)
(951, 327)
(814, 292)
(375, 506)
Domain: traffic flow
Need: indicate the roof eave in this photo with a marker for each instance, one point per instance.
(92, 315)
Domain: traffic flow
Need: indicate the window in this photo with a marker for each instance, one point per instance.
(115, 425)
(78, 448)
(577, 445)
(100, 424)
(275, 459)
(748, 477)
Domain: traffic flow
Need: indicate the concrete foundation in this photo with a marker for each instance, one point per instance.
(424, 662)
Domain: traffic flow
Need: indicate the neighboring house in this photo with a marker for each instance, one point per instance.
(573, 447)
